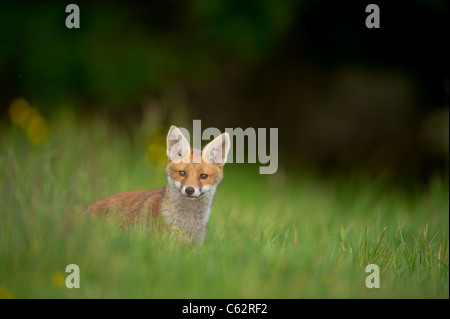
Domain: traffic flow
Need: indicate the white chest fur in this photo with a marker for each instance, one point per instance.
(187, 217)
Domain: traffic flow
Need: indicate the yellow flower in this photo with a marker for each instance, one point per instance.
(19, 110)
(156, 149)
(57, 278)
(5, 293)
(29, 120)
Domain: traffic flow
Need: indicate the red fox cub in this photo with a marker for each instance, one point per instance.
(185, 203)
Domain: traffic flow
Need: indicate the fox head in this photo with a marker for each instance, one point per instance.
(192, 172)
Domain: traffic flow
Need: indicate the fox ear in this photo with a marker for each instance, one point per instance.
(216, 151)
(178, 148)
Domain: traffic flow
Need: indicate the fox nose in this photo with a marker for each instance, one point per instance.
(189, 190)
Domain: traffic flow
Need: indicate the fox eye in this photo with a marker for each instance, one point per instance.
(203, 176)
(182, 173)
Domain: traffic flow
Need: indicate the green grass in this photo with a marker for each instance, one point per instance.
(290, 235)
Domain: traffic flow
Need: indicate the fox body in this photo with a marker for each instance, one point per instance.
(185, 203)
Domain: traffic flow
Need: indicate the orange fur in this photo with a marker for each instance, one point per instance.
(187, 211)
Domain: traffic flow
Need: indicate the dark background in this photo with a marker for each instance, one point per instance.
(343, 96)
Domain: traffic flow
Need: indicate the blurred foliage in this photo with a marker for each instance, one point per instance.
(123, 51)
(300, 235)
(341, 94)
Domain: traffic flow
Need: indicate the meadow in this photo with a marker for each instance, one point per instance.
(294, 234)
